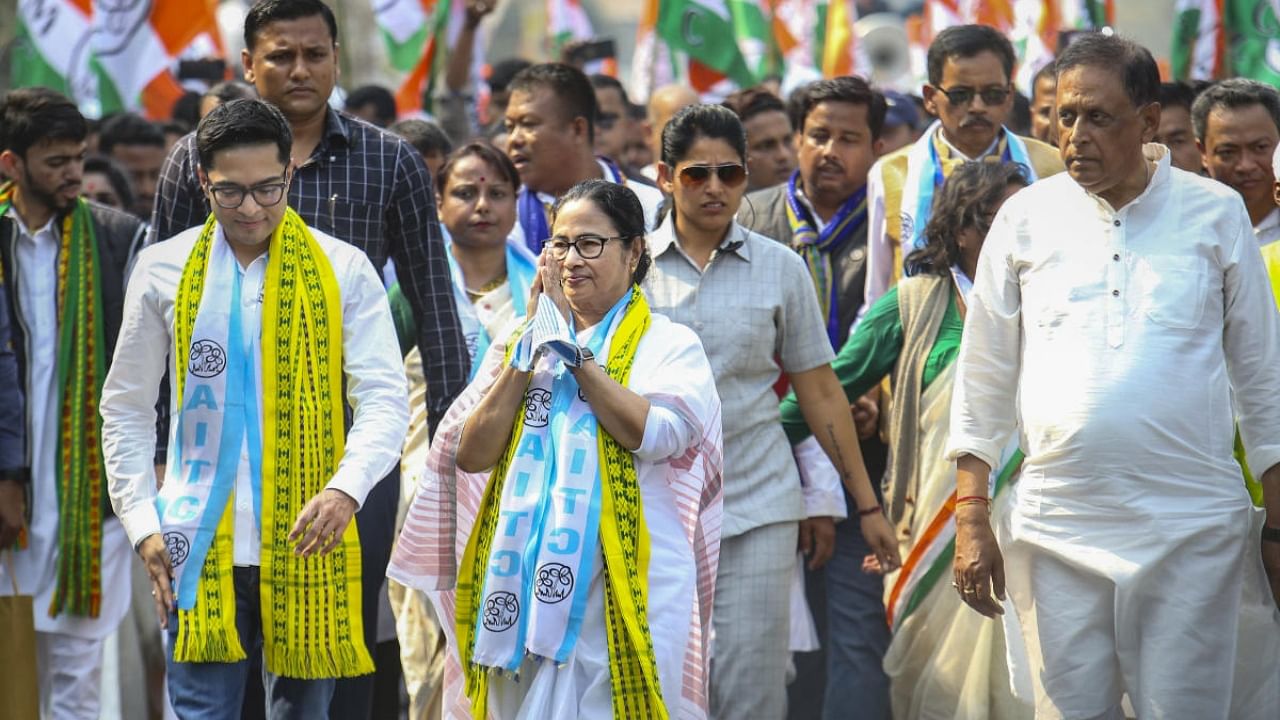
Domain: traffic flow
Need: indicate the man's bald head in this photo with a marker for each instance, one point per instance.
(664, 103)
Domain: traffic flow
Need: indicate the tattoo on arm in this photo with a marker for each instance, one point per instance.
(843, 467)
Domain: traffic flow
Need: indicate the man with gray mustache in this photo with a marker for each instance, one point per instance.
(970, 92)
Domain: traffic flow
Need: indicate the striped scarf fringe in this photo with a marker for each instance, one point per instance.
(81, 369)
(624, 540)
(312, 621)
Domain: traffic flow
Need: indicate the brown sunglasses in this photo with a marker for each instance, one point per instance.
(731, 175)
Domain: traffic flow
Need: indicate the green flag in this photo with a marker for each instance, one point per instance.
(707, 31)
(1253, 31)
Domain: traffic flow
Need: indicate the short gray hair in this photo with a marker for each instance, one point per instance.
(1232, 94)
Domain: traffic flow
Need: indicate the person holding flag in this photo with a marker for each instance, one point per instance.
(64, 260)
(265, 327)
(970, 91)
(551, 126)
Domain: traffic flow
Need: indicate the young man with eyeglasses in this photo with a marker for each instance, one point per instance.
(970, 91)
(551, 135)
(63, 261)
(267, 328)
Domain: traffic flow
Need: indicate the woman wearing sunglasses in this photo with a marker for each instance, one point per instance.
(942, 656)
(575, 487)
(751, 301)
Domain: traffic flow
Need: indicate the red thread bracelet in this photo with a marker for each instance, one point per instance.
(870, 511)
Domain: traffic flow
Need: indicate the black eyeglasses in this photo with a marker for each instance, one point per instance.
(965, 95)
(732, 174)
(589, 247)
(230, 197)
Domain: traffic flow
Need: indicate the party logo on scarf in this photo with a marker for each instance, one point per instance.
(179, 547)
(908, 226)
(207, 360)
(555, 583)
(537, 407)
(501, 610)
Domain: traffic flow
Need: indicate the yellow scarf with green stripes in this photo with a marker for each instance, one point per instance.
(624, 540)
(311, 607)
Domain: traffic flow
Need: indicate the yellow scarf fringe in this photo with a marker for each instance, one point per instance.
(624, 539)
(312, 622)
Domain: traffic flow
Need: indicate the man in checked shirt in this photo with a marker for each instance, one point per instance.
(359, 184)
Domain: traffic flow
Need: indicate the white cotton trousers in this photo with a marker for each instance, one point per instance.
(69, 669)
(1154, 610)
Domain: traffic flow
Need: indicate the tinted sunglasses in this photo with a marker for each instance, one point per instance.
(965, 95)
(731, 175)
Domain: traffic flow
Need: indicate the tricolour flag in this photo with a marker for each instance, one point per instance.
(404, 29)
(52, 49)
(1199, 40)
(110, 56)
(839, 49)
(137, 43)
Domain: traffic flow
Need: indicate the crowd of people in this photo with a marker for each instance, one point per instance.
(848, 404)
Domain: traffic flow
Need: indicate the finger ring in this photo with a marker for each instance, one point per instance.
(955, 585)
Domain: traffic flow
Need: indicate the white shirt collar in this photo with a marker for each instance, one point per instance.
(26, 232)
(990, 148)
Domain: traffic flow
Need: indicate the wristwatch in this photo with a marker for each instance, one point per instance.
(1270, 534)
(585, 354)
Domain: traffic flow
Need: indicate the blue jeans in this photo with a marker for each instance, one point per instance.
(857, 633)
(214, 691)
(845, 678)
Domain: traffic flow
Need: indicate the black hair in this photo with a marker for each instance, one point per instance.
(1047, 71)
(607, 82)
(504, 71)
(966, 41)
(265, 12)
(973, 189)
(1233, 94)
(1113, 53)
(573, 91)
(1020, 116)
(426, 137)
(846, 89)
(115, 175)
(228, 90)
(186, 111)
(29, 116)
(239, 123)
(701, 121)
(754, 101)
(1177, 94)
(384, 103)
(623, 208)
(128, 128)
(487, 152)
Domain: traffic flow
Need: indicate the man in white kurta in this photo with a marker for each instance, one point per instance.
(1111, 339)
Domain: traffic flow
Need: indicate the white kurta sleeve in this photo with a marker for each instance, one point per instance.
(376, 387)
(677, 386)
(983, 412)
(879, 244)
(1251, 341)
(128, 405)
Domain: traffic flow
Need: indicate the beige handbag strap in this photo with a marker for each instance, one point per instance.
(12, 569)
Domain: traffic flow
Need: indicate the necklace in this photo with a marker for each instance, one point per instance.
(494, 284)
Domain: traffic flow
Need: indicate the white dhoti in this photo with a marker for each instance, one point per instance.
(1152, 605)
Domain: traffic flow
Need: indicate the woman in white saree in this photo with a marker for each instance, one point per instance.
(567, 526)
(944, 660)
